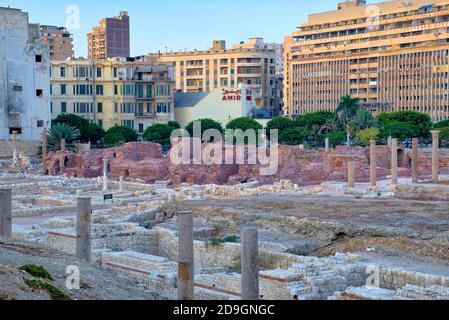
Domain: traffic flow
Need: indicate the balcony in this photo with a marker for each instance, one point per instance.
(145, 115)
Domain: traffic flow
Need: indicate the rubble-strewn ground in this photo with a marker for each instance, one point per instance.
(403, 231)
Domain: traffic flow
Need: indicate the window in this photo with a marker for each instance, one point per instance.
(163, 108)
(128, 123)
(100, 107)
(40, 123)
(63, 107)
(62, 72)
(140, 127)
(39, 93)
(99, 89)
(15, 129)
(98, 72)
(51, 89)
(82, 89)
(115, 72)
(115, 107)
(115, 89)
(38, 58)
(17, 89)
(100, 123)
(82, 72)
(63, 89)
(83, 107)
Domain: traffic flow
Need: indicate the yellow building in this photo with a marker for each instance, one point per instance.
(119, 91)
(252, 64)
(392, 55)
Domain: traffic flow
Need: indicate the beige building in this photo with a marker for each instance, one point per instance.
(132, 92)
(392, 55)
(252, 64)
(59, 41)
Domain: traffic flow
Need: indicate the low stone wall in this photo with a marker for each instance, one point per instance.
(29, 148)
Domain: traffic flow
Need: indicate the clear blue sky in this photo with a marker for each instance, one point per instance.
(180, 24)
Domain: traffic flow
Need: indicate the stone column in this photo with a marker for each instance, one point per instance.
(394, 161)
(5, 213)
(351, 174)
(83, 228)
(44, 144)
(105, 174)
(250, 263)
(185, 256)
(79, 193)
(373, 164)
(15, 158)
(63, 145)
(326, 144)
(120, 184)
(435, 155)
(415, 146)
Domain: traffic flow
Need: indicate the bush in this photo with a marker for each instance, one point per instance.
(206, 124)
(441, 124)
(292, 136)
(396, 129)
(280, 124)
(159, 133)
(444, 134)
(95, 133)
(119, 135)
(336, 138)
(314, 119)
(36, 271)
(76, 122)
(363, 137)
(174, 125)
(244, 124)
(421, 123)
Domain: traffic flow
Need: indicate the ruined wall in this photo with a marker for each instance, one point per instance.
(29, 148)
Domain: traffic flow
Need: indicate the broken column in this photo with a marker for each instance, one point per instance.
(435, 155)
(105, 174)
(185, 256)
(351, 174)
(5, 213)
(44, 144)
(120, 184)
(394, 161)
(250, 263)
(415, 146)
(373, 165)
(15, 158)
(326, 144)
(63, 145)
(83, 228)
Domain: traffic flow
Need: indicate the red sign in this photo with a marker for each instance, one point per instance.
(235, 95)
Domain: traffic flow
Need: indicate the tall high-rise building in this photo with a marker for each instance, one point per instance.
(111, 38)
(59, 41)
(391, 55)
(24, 77)
(252, 64)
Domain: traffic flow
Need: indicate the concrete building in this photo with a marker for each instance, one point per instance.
(24, 77)
(59, 41)
(392, 55)
(252, 64)
(111, 38)
(133, 92)
(220, 104)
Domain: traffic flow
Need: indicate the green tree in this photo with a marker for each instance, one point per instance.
(76, 122)
(206, 124)
(312, 123)
(244, 124)
(119, 135)
(336, 138)
(364, 136)
(346, 110)
(174, 124)
(95, 133)
(292, 136)
(397, 129)
(159, 133)
(331, 125)
(62, 131)
(420, 122)
(280, 124)
(441, 124)
(363, 119)
(444, 135)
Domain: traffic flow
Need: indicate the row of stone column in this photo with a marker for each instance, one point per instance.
(394, 162)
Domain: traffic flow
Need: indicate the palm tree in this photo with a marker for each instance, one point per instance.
(62, 131)
(363, 119)
(346, 110)
(331, 125)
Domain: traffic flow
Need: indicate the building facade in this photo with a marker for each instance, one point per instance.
(250, 64)
(391, 55)
(59, 41)
(132, 92)
(24, 77)
(111, 38)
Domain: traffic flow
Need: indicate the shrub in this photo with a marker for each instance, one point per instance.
(292, 136)
(336, 138)
(36, 271)
(363, 137)
(120, 134)
(174, 124)
(396, 129)
(206, 124)
(159, 133)
(96, 133)
(76, 122)
(280, 124)
(421, 123)
(55, 293)
(244, 124)
(62, 131)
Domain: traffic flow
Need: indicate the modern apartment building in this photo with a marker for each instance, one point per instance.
(59, 41)
(24, 77)
(133, 92)
(252, 64)
(392, 55)
(111, 38)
